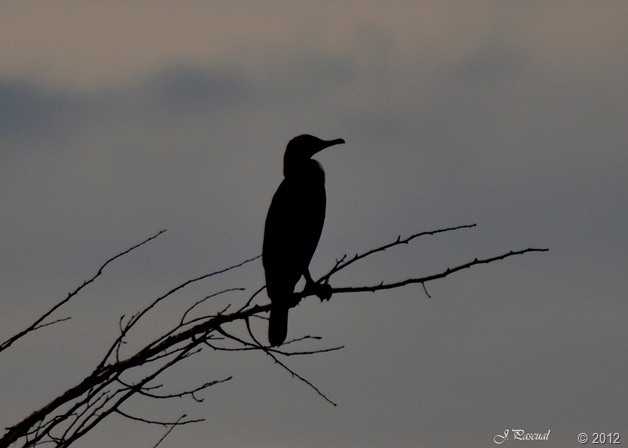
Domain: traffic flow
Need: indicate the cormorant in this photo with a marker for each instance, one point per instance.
(293, 227)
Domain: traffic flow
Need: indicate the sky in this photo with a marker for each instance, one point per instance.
(120, 119)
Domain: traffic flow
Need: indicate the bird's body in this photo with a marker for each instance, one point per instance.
(293, 228)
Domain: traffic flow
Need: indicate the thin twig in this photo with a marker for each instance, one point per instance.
(211, 296)
(135, 318)
(429, 278)
(169, 431)
(38, 323)
(157, 422)
(342, 264)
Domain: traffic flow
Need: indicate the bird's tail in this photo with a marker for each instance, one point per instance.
(277, 325)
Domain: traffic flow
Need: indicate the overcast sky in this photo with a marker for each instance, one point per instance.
(118, 120)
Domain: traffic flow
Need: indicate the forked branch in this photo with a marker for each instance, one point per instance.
(78, 410)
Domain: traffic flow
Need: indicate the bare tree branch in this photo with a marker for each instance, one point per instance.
(169, 431)
(39, 322)
(78, 410)
(429, 278)
(342, 264)
(179, 421)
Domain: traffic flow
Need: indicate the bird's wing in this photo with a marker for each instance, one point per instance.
(293, 227)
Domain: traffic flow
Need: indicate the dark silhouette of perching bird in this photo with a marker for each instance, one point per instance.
(293, 227)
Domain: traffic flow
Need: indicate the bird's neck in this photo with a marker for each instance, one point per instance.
(307, 170)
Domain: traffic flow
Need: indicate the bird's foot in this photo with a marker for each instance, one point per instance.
(321, 290)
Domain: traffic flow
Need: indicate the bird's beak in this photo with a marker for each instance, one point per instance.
(328, 143)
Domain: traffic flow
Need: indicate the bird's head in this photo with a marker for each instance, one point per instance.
(301, 149)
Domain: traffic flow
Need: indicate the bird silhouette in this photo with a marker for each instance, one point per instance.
(293, 227)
